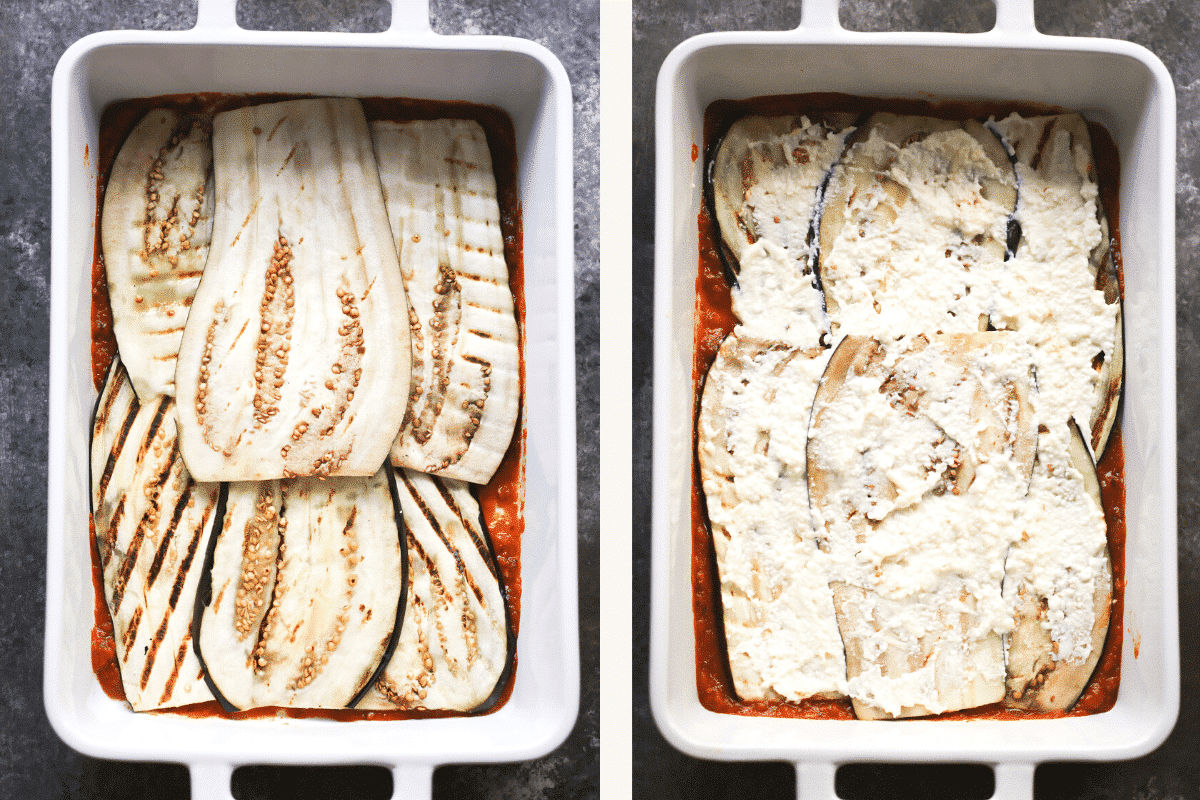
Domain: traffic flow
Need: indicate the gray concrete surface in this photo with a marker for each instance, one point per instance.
(1170, 30)
(34, 763)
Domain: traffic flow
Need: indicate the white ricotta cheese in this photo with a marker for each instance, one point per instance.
(918, 248)
(930, 518)
(919, 553)
(776, 300)
(1049, 297)
(783, 202)
(780, 629)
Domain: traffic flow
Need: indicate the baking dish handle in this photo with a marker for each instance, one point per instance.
(412, 782)
(1013, 17)
(815, 780)
(216, 15)
(1014, 781)
(211, 781)
(408, 16)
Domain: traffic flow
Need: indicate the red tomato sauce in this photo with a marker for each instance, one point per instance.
(714, 319)
(502, 501)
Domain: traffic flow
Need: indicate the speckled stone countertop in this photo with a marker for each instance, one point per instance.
(1171, 30)
(34, 762)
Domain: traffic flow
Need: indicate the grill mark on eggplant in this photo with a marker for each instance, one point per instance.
(430, 567)
(110, 394)
(126, 568)
(484, 549)
(185, 566)
(176, 590)
(130, 635)
(181, 505)
(147, 519)
(173, 277)
(471, 276)
(108, 539)
(152, 653)
(431, 518)
(118, 445)
(180, 655)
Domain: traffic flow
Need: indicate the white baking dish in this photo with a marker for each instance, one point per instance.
(1119, 84)
(407, 60)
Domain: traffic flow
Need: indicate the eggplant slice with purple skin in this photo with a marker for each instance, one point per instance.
(465, 393)
(303, 592)
(919, 456)
(913, 199)
(155, 230)
(457, 645)
(1059, 578)
(295, 359)
(777, 610)
(1055, 278)
(153, 523)
(765, 180)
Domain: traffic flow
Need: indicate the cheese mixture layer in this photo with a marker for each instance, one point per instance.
(919, 456)
(779, 623)
(913, 236)
(929, 535)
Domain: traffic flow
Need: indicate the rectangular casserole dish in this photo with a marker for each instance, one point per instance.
(407, 60)
(1121, 85)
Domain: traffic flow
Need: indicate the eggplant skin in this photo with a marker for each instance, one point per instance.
(303, 593)
(295, 359)
(152, 526)
(457, 646)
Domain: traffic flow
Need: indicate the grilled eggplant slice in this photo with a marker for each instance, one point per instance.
(915, 226)
(303, 590)
(153, 523)
(457, 644)
(445, 217)
(780, 630)
(1062, 286)
(295, 358)
(919, 455)
(1059, 580)
(154, 231)
(767, 178)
